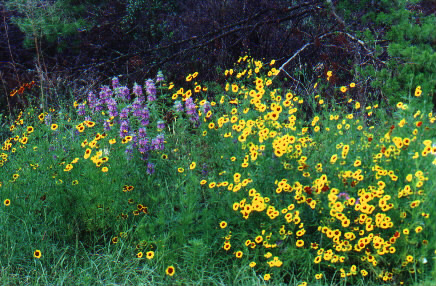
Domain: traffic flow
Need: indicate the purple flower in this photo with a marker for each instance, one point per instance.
(160, 125)
(115, 83)
(137, 90)
(159, 77)
(125, 112)
(142, 132)
(98, 105)
(136, 105)
(190, 110)
(105, 93)
(106, 125)
(92, 100)
(178, 106)
(158, 142)
(124, 93)
(151, 90)
(81, 110)
(150, 168)
(124, 128)
(143, 145)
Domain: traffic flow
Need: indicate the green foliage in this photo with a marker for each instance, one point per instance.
(51, 21)
(411, 50)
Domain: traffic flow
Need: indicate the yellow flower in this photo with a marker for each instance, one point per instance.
(7, 202)
(352, 84)
(343, 88)
(192, 166)
(37, 254)
(150, 254)
(252, 264)
(266, 277)
(170, 270)
(223, 224)
(104, 169)
(357, 105)
(54, 126)
(180, 170)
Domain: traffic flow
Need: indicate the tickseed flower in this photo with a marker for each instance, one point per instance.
(299, 243)
(180, 170)
(170, 270)
(139, 255)
(115, 240)
(37, 254)
(223, 224)
(418, 91)
(352, 84)
(192, 166)
(104, 169)
(7, 202)
(54, 126)
(266, 277)
(252, 264)
(418, 229)
(150, 254)
(343, 88)
(239, 254)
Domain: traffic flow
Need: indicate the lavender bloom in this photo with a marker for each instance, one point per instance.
(115, 83)
(158, 142)
(129, 151)
(105, 93)
(137, 90)
(92, 100)
(151, 90)
(204, 170)
(124, 128)
(47, 119)
(142, 132)
(134, 140)
(125, 112)
(144, 145)
(190, 110)
(124, 93)
(81, 110)
(98, 105)
(160, 125)
(206, 107)
(150, 168)
(145, 122)
(113, 113)
(136, 105)
(178, 106)
(344, 195)
(106, 125)
(159, 77)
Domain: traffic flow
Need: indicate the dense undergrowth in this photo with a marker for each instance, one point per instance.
(246, 184)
